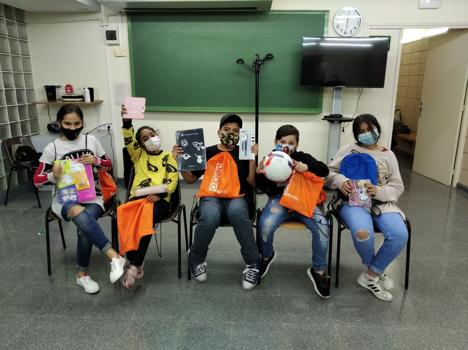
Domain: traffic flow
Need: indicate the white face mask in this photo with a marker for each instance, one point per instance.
(153, 144)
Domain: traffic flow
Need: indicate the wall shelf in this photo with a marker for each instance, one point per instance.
(60, 103)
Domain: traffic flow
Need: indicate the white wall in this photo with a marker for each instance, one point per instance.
(71, 48)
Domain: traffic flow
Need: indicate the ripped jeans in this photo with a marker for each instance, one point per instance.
(275, 214)
(392, 227)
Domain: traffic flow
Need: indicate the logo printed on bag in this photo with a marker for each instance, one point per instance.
(213, 187)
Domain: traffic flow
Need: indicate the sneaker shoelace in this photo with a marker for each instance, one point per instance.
(251, 274)
(199, 269)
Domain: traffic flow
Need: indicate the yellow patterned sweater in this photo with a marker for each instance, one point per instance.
(150, 170)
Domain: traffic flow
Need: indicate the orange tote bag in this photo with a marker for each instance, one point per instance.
(134, 220)
(221, 178)
(303, 193)
(108, 185)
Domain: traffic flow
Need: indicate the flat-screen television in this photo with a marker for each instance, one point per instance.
(348, 62)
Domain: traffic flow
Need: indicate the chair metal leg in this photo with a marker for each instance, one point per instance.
(49, 269)
(184, 213)
(61, 234)
(114, 233)
(35, 190)
(179, 245)
(338, 252)
(189, 273)
(158, 245)
(8, 187)
(330, 244)
(408, 254)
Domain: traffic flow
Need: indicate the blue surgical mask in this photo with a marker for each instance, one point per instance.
(284, 147)
(369, 138)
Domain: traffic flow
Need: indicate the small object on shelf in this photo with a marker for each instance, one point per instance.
(51, 92)
(86, 94)
(69, 89)
(91, 93)
(72, 98)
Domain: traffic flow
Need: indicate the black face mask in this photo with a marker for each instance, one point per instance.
(71, 134)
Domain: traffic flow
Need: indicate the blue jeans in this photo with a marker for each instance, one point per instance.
(275, 214)
(392, 227)
(89, 232)
(214, 211)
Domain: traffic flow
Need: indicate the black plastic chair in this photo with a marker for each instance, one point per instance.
(30, 166)
(195, 213)
(110, 211)
(177, 212)
(333, 209)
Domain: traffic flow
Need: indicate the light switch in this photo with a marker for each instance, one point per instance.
(429, 4)
(119, 52)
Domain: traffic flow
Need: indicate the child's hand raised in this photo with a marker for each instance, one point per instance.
(123, 112)
(254, 149)
(177, 151)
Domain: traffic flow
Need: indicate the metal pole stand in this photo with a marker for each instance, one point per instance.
(335, 119)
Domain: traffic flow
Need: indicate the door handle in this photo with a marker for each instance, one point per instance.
(420, 108)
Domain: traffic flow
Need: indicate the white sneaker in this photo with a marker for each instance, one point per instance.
(117, 268)
(88, 284)
(386, 282)
(374, 286)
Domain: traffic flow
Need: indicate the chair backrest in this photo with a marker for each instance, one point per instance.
(8, 145)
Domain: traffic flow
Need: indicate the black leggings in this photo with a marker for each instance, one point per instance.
(136, 257)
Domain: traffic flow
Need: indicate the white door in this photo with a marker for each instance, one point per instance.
(442, 101)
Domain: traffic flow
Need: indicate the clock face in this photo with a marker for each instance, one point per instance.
(347, 21)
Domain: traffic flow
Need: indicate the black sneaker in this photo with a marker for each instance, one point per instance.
(321, 283)
(199, 272)
(250, 276)
(265, 265)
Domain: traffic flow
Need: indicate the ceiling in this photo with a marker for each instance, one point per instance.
(55, 5)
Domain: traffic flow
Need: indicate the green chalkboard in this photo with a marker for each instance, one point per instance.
(187, 62)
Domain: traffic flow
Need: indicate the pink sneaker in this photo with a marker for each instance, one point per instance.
(130, 276)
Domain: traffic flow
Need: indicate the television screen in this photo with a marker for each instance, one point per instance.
(349, 62)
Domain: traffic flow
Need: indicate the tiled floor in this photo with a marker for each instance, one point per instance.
(163, 312)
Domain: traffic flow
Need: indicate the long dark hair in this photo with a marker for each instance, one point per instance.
(370, 120)
(68, 109)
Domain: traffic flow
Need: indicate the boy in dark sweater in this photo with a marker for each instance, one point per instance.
(235, 211)
(274, 214)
